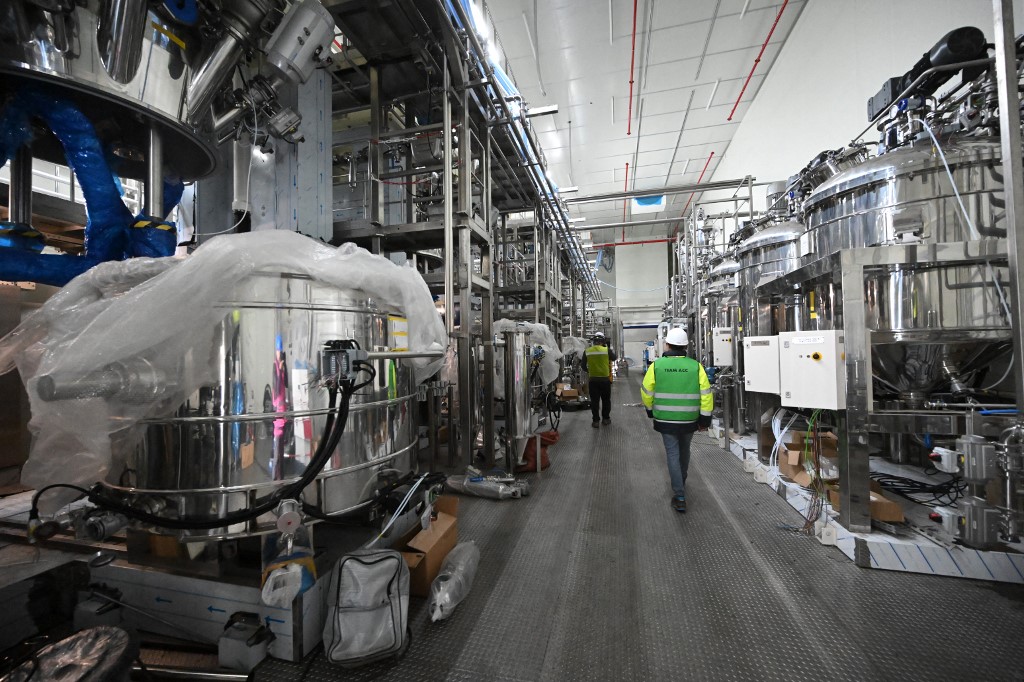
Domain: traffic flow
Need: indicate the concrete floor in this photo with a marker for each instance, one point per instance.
(594, 577)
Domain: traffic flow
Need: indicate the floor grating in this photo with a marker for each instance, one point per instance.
(594, 577)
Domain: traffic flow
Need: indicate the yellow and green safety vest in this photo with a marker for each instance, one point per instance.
(598, 363)
(676, 389)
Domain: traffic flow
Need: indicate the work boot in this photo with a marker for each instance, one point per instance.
(679, 504)
(595, 423)
(606, 422)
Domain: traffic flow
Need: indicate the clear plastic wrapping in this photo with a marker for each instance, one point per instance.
(540, 335)
(157, 317)
(495, 490)
(453, 583)
(574, 344)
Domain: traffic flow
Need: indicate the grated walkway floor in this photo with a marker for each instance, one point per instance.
(594, 577)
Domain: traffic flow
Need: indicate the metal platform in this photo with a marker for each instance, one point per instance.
(594, 577)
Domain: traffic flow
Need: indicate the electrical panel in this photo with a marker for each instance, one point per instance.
(812, 370)
(761, 364)
(721, 346)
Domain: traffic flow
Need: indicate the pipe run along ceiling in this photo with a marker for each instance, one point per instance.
(691, 61)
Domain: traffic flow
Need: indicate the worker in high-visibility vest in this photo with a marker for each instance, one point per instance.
(599, 366)
(677, 395)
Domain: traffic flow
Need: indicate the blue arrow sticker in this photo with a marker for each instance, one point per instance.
(214, 609)
(273, 620)
(161, 600)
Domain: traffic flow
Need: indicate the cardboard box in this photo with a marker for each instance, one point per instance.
(883, 508)
(425, 550)
(829, 442)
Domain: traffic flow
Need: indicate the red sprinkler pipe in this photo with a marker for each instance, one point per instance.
(642, 241)
(632, 63)
(756, 61)
(699, 178)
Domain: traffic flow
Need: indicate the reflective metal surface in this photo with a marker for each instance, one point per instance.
(120, 63)
(517, 384)
(257, 424)
(906, 194)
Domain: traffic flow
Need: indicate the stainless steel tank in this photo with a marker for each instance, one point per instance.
(517, 384)
(255, 426)
(764, 256)
(940, 316)
(123, 65)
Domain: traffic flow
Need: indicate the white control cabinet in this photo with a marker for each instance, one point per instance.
(812, 370)
(721, 346)
(761, 364)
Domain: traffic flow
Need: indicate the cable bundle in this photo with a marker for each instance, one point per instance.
(941, 494)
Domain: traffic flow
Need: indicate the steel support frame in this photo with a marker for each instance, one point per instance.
(847, 269)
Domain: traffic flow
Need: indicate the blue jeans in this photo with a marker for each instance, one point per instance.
(677, 450)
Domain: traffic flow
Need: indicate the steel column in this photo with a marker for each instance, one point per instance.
(1013, 175)
(854, 462)
(468, 368)
(154, 203)
(375, 153)
(487, 311)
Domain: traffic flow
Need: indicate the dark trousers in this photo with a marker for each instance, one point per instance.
(601, 391)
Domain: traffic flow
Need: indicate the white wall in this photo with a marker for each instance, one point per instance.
(838, 55)
(641, 276)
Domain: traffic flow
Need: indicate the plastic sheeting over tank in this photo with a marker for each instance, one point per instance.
(161, 314)
(540, 335)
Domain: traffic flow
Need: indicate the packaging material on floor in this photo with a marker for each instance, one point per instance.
(455, 580)
(883, 507)
(530, 455)
(425, 549)
(367, 608)
(793, 459)
(479, 486)
(566, 392)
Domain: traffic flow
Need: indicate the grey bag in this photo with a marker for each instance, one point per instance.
(367, 608)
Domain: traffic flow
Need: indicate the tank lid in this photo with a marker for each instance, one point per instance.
(726, 267)
(776, 234)
(905, 161)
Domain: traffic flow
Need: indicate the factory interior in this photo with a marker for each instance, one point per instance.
(511, 340)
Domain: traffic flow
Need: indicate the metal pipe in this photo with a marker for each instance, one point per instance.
(20, 199)
(541, 182)
(667, 191)
(1013, 175)
(757, 59)
(642, 241)
(211, 75)
(632, 63)
(917, 81)
(403, 354)
(166, 672)
(449, 218)
(155, 175)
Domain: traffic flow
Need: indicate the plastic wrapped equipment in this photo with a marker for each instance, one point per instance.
(495, 490)
(574, 344)
(162, 315)
(540, 335)
(455, 580)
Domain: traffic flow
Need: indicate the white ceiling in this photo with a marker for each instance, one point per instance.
(683, 49)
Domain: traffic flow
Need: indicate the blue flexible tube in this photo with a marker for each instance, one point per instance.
(987, 412)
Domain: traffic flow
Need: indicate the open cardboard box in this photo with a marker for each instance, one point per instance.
(424, 550)
(883, 507)
(791, 460)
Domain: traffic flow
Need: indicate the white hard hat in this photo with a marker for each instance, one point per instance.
(677, 337)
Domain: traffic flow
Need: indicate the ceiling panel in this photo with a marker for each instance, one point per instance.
(693, 49)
